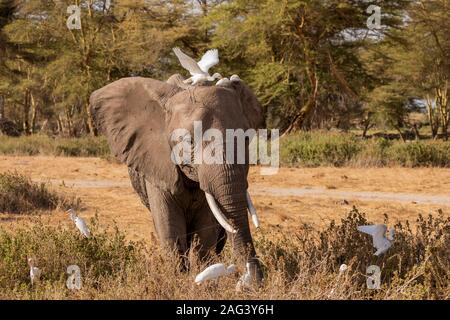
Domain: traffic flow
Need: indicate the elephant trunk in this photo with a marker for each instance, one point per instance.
(228, 185)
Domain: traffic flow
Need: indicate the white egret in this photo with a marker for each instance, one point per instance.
(199, 70)
(79, 223)
(214, 271)
(235, 78)
(35, 272)
(223, 82)
(245, 282)
(378, 233)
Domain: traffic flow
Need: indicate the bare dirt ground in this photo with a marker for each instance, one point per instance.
(284, 201)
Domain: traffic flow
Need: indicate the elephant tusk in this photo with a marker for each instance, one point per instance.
(218, 214)
(252, 210)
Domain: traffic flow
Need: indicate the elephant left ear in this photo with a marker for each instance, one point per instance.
(251, 106)
(131, 113)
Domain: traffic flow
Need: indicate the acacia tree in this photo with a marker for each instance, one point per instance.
(431, 46)
(422, 63)
(295, 53)
(7, 8)
(127, 38)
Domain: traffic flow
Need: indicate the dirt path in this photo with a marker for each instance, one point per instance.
(285, 201)
(312, 192)
(355, 195)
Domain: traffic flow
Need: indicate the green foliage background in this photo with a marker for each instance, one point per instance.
(312, 63)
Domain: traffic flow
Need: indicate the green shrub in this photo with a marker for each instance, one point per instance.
(373, 153)
(29, 145)
(54, 249)
(341, 149)
(18, 194)
(308, 149)
(317, 148)
(419, 153)
(82, 147)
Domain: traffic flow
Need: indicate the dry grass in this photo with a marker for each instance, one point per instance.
(18, 194)
(299, 245)
(302, 265)
(41, 144)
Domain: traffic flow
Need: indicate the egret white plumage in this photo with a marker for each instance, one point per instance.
(79, 223)
(223, 82)
(245, 282)
(378, 233)
(214, 272)
(35, 272)
(235, 78)
(343, 268)
(199, 70)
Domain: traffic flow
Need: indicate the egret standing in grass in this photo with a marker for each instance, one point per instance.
(79, 223)
(214, 272)
(343, 268)
(337, 282)
(35, 272)
(378, 233)
(245, 281)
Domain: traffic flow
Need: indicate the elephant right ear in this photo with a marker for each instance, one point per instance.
(131, 113)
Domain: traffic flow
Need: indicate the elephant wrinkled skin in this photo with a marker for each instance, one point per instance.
(138, 116)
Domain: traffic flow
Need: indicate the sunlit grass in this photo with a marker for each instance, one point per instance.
(19, 194)
(45, 145)
(302, 265)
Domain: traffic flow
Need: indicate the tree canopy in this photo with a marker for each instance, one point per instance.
(312, 63)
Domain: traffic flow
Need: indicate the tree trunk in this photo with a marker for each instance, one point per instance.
(34, 108)
(434, 121)
(26, 113)
(367, 123)
(2, 106)
(92, 130)
(44, 125)
(416, 131)
(60, 126)
(301, 116)
(442, 104)
(400, 133)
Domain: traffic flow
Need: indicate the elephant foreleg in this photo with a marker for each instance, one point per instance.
(211, 236)
(168, 218)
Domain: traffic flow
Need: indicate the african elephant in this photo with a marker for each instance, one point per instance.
(138, 116)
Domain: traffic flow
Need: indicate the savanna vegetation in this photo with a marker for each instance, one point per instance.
(305, 149)
(304, 265)
(20, 195)
(342, 91)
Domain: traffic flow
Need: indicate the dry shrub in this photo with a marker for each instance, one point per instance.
(18, 194)
(303, 265)
(416, 266)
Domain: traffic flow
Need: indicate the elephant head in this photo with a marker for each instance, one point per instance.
(139, 115)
